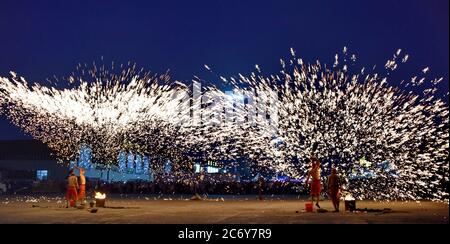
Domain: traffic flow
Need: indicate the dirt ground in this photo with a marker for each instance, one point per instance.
(216, 210)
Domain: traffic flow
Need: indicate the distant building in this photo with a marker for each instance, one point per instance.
(130, 167)
(29, 160)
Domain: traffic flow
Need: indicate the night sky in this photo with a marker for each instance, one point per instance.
(43, 38)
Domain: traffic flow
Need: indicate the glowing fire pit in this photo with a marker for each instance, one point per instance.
(100, 199)
(350, 203)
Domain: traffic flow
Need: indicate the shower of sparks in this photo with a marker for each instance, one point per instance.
(387, 142)
(109, 112)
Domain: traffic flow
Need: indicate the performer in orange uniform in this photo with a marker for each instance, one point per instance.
(72, 186)
(334, 188)
(82, 191)
(314, 173)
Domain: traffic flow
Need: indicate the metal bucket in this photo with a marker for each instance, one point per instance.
(350, 205)
(308, 207)
(100, 203)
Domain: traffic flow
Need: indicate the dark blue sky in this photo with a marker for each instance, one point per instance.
(43, 38)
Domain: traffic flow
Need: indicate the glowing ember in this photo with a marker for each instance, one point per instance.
(100, 196)
(349, 197)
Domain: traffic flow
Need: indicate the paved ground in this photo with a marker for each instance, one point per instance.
(215, 210)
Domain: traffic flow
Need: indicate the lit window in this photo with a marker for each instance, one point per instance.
(197, 168)
(42, 174)
(212, 170)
